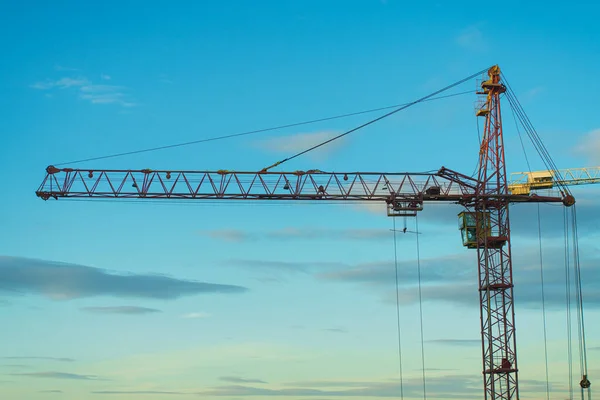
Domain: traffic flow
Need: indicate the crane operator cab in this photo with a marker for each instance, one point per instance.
(467, 223)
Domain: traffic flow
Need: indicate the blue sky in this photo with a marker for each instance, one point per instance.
(229, 301)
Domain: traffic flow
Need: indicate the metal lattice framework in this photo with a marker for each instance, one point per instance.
(494, 252)
(487, 198)
(232, 185)
(525, 182)
(404, 193)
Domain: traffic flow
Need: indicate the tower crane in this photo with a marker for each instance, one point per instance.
(484, 223)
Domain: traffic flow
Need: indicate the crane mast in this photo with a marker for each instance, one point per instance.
(484, 224)
(498, 342)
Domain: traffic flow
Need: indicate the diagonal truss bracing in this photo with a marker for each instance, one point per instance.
(299, 185)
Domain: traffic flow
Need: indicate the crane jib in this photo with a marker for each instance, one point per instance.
(392, 188)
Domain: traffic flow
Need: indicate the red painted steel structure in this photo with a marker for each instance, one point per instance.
(487, 198)
(404, 193)
(498, 342)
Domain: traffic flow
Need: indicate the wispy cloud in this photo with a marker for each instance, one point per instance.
(62, 68)
(452, 268)
(237, 379)
(37, 358)
(236, 235)
(336, 330)
(588, 146)
(195, 315)
(332, 383)
(462, 289)
(456, 342)
(62, 83)
(229, 235)
(290, 144)
(450, 278)
(87, 90)
(106, 94)
(128, 310)
(51, 391)
(450, 386)
(164, 78)
(152, 392)
(286, 266)
(445, 386)
(534, 92)
(471, 38)
(61, 281)
(19, 366)
(58, 375)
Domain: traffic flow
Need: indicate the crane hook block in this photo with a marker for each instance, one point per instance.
(585, 382)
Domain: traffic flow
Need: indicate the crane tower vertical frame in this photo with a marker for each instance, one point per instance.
(490, 207)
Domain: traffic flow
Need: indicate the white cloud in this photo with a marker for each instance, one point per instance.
(449, 386)
(61, 281)
(372, 207)
(95, 94)
(228, 235)
(105, 77)
(58, 67)
(164, 78)
(237, 379)
(57, 375)
(534, 92)
(105, 94)
(127, 310)
(290, 144)
(62, 83)
(471, 38)
(196, 315)
(236, 235)
(589, 147)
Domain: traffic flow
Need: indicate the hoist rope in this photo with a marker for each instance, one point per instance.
(398, 312)
(579, 299)
(274, 128)
(543, 302)
(559, 181)
(420, 307)
(568, 303)
(520, 138)
(533, 136)
(544, 323)
(422, 99)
